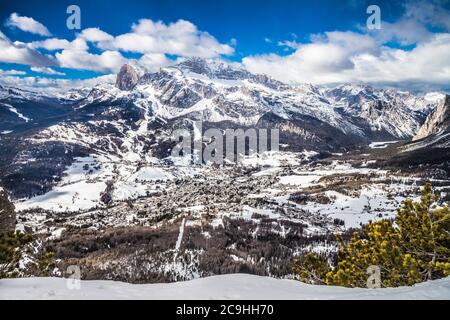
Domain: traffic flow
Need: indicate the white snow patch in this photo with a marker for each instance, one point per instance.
(81, 195)
(180, 235)
(14, 110)
(381, 144)
(225, 287)
(151, 174)
(302, 181)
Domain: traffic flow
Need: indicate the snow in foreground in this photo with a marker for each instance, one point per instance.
(234, 286)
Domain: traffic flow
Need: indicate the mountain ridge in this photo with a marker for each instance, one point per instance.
(136, 124)
(437, 122)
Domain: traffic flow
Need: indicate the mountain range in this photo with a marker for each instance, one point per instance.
(133, 120)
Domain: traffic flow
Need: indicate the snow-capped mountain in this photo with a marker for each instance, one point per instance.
(21, 109)
(100, 159)
(217, 92)
(398, 113)
(438, 122)
(435, 132)
(133, 121)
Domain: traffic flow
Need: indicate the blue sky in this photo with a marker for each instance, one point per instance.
(320, 41)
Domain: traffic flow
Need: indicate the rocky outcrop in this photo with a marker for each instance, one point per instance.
(437, 122)
(127, 78)
(7, 214)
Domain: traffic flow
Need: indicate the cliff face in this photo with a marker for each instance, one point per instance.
(437, 122)
(127, 78)
(7, 214)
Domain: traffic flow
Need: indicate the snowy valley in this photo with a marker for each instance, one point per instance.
(94, 178)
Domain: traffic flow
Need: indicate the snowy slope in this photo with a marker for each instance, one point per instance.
(14, 110)
(221, 92)
(216, 91)
(435, 132)
(396, 112)
(130, 128)
(233, 286)
(437, 122)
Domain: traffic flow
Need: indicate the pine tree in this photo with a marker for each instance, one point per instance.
(12, 246)
(46, 263)
(425, 234)
(378, 245)
(414, 249)
(10, 253)
(311, 268)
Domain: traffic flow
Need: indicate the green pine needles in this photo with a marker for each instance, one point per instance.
(11, 244)
(412, 249)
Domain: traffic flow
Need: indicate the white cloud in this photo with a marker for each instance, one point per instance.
(427, 63)
(340, 57)
(52, 85)
(154, 40)
(153, 61)
(46, 70)
(320, 61)
(59, 44)
(12, 72)
(27, 24)
(428, 12)
(95, 35)
(180, 38)
(405, 32)
(20, 53)
(369, 56)
(107, 61)
(75, 53)
(331, 57)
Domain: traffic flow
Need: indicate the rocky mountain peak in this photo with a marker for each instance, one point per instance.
(195, 65)
(437, 122)
(127, 78)
(214, 69)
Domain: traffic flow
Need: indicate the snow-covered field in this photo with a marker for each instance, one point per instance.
(233, 286)
(86, 178)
